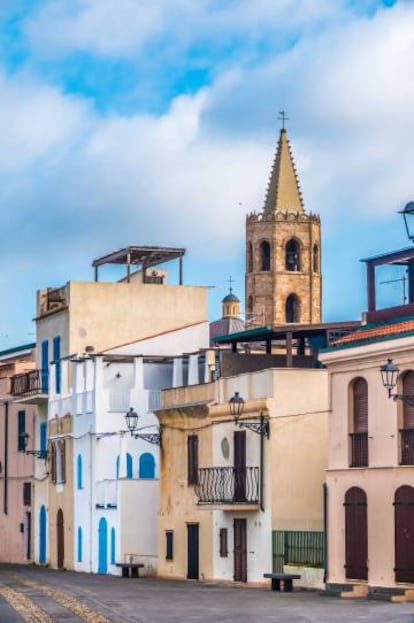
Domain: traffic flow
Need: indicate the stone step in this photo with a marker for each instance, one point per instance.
(359, 591)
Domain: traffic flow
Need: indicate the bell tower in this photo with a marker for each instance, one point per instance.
(283, 251)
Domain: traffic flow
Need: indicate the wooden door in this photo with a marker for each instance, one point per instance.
(404, 534)
(28, 535)
(192, 551)
(240, 466)
(60, 530)
(240, 550)
(42, 535)
(356, 534)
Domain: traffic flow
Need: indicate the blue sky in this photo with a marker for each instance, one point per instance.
(155, 122)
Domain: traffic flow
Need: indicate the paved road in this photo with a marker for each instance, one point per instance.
(45, 596)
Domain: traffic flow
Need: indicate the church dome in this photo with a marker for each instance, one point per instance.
(231, 298)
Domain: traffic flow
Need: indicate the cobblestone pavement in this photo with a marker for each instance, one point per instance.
(45, 596)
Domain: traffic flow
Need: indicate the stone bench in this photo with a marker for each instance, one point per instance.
(130, 569)
(286, 578)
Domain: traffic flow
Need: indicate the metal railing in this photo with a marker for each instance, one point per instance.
(228, 485)
(30, 383)
(300, 548)
(407, 446)
(359, 449)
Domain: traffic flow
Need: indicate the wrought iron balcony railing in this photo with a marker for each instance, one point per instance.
(359, 449)
(228, 485)
(29, 383)
(407, 446)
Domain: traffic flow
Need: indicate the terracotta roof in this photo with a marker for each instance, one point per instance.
(377, 331)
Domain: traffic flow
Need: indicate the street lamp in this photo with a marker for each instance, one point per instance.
(408, 214)
(236, 405)
(39, 454)
(131, 419)
(389, 373)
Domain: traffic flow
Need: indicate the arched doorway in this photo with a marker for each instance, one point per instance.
(404, 534)
(292, 308)
(356, 534)
(42, 535)
(60, 532)
(103, 546)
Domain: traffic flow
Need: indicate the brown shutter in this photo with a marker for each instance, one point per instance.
(360, 390)
(192, 458)
(408, 410)
(223, 542)
(63, 459)
(27, 493)
(53, 461)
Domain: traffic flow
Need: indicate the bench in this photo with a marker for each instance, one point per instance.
(130, 569)
(286, 578)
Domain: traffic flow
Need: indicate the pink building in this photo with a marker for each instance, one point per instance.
(16, 467)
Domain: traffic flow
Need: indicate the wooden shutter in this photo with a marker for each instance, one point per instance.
(63, 460)
(169, 545)
(27, 493)
(53, 461)
(360, 392)
(192, 458)
(223, 543)
(21, 429)
(408, 410)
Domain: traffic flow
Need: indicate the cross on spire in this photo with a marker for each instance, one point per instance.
(283, 117)
(230, 280)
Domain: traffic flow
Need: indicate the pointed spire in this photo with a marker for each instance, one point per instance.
(283, 192)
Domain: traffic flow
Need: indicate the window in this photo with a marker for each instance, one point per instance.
(359, 434)
(249, 262)
(264, 255)
(56, 359)
(45, 366)
(250, 305)
(192, 459)
(59, 462)
(118, 461)
(27, 493)
(112, 546)
(315, 258)
(79, 472)
(79, 544)
(223, 543)
(21, 431)
(293, 255)
(169, 544)
(53, 462)
(128, 465)
(43, 436)
(407, 431)
(146, 466)
(292, 309)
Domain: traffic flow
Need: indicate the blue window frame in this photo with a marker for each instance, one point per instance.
(79, 472)
(56, 359)
(45, 366)
(146, 465)
(118, 461)
(80, 544)
(128, 465)
(112, 546)
(43, 436)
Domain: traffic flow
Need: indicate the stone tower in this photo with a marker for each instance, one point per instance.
(283, 251)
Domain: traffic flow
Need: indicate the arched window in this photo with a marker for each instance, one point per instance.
(79, 472)
(264, 255)
(293, 255)
(112, 546)
(118, 461)
(79, 544)
(359, 434)
(315, 258)
(292, 311)
(249, 262)
(128, 465)
(146, 466)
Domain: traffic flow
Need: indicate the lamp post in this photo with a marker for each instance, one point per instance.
(131, 418)
(408, 214)
(389, 373)
(39, 454)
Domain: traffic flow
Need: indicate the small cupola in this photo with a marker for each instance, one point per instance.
(231, 305)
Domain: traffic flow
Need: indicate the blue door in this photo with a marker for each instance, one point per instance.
(42, 535)
(45, 366)
(103, 546)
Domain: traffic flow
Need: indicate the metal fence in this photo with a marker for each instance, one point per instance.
(300, 548)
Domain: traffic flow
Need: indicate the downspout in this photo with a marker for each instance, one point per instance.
(90, 501)
(325, 532)
(6, 458)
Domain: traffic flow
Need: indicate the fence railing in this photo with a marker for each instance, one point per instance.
(407, 446)
(299, 548)
(228, 485)
(29, 383)
(359, 449)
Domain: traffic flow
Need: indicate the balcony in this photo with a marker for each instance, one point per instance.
(30, 387)
(359, 449)
(228, 488)
(407, 446)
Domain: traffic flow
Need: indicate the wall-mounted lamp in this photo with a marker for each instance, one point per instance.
(236, 405)
(389, 373)
(131, 419)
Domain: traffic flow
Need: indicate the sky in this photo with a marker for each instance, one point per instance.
(155, 122)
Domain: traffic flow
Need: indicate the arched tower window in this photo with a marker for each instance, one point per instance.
(249, 263)
(250, 304)
(293, 255)
(292, 311)
(359, 434)
(315, 258)
(264, 255)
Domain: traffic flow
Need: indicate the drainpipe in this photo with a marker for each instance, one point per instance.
(325, 531)
(90, 498)
(261, 463)
(6, 458)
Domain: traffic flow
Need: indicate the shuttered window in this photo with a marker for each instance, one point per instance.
(408, 409)
(192, 456)
(27, 493)
(360, 395)
(21, 430)
(62, 461)
(53, 462)
(223, 543)
(169, 545)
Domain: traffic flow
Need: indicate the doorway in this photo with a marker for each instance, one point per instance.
(240, 550)
(240, 466)
(356, 534)
(192, 551)
(404, 534)
(103, 546)
(60, 531)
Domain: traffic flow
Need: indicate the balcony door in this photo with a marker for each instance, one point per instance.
(192, 551)
(240, 466)
(356, 534)
(240, 550)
